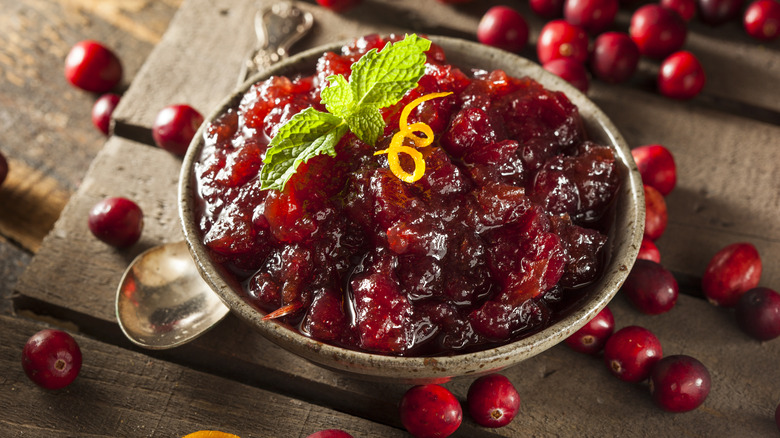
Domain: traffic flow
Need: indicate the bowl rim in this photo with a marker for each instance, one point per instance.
(435, 368)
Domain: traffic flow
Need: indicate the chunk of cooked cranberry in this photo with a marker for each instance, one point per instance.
(471, 128)
(264, 291)
(421, 235)
(392, 198)
(499, 321)
(442, 178)
(232, 234)
(262, 98)
(492, 154)
(419, 276)
(222, 129)
(383, 313)
(242, 165)
(537, 151)
(554, 189)
(326, 319)
(596, 175)
(583, 247)
(502, 204)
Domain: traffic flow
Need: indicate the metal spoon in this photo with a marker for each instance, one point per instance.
(162, 301)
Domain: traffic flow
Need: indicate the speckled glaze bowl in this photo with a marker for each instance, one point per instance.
(624, 239)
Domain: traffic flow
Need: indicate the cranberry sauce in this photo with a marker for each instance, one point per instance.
(502, 232)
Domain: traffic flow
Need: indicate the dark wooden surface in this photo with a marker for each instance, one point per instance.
(725, 143)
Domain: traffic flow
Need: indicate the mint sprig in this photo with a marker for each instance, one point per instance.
(379, 79)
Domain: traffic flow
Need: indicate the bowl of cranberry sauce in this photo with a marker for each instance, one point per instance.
(524, 224)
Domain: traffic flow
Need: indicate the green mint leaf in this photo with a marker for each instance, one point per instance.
(338, 97)
(307, 134)
(366, 123)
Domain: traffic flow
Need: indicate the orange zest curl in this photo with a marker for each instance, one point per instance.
(408, 131)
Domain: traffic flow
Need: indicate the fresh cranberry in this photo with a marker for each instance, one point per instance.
(614, 58)
(656, 216)
(651, 288)
(102, 110)
(716, 12)
(679, 383)
(338, 5)
(686, 8)
(430, 411)
(174, 127)
(572, 71)
(548, 9)
(731, 272)
(493, 401)
(758, 313)
(594, 16)
(591, 338)
(631, 353)
(561, 39)
(657, 31)
(649, 251)
(762, 20)
(116, 221)
(681, 76)
(51, 359)
(92, 66)
(330, 433)
(656, 166)
(503, 27)
(3, 168)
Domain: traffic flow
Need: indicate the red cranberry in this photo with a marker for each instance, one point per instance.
(561, 39)
(174, 127)
(338, 5)
(51, 359)
(493, 401)
(631, 352)
(102, 110)
(92, 66)
(615, 57)
(679, 383)
(3, 168)
(503, 27)
(686, 8)
(649, 251)
(592, 337)
(731, 272)
(548, 9)
(570, 70)
(594, 16)
(116, 221)
(715, 12)
(762, 20)
(330, 433)
(430, 411)
(657, 31)
(758, 313)
(655, 213)
(681, 76)
(657, 167)
(651, 288)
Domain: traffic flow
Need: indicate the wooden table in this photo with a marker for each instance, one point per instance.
(53, 273)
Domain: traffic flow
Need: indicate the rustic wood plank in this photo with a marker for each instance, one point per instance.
(13, 262)
(124, 393)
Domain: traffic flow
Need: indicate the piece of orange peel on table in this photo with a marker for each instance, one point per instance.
(408, 131)
(210, 434)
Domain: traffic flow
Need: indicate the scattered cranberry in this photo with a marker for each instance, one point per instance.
(686, 8)
(631, 353)
(679, 383)
(649, 251)
(330, 433)
(572, 71)
(615, 57)
(92, 66)
(592, 337)
(656, 166)
(656, 216)
(51, 359)
(116, 221)
(657, 31)
(561, 39)
(758, 313)
(681, 76)
(762, 20)
(651, 288)
(339, 5)
(548, 9)
(174, 127)
(503, 27)
(430, 411)
(715, 12)
(493, 401)
(594, 16)
(3, 168)
(102, 110)
(731, 272)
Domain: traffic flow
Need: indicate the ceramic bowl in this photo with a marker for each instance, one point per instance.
(624, 239)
